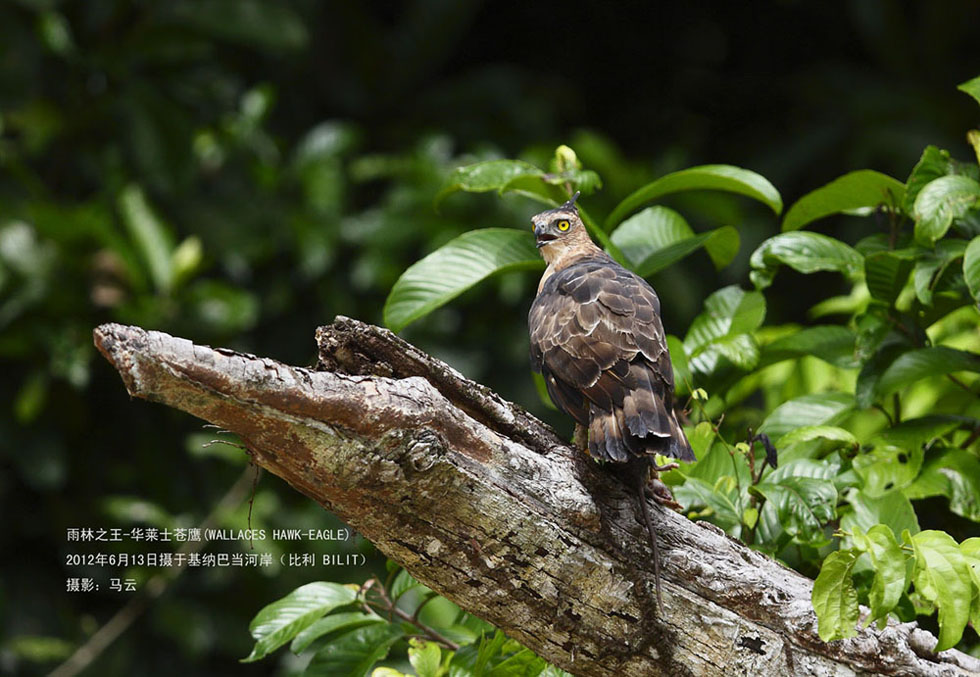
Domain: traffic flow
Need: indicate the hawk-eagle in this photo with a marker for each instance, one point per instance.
(597, 339)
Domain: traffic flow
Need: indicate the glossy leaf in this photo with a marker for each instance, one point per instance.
(695, 491)
(955, 474)
(916, 432)
(864, 188)
(354, 653)
(931, 165)
(657, 237)
(838, 436)
(941, 575)
(804, 504)
(915, 365)
(970, 548)
(930, 266)
(805, 252)
(886, 274)
(893, 509)
(152, 236)
(425, 657)
(971, 268)
(458, 265)
(281, 621)
(723, 329)
(971, 87)
(831, 343)
(333, 622)
(649, 231)
(939, 202)
(807, 410)
(728, 311)
(886, 468)
(492, 175)
(834, 597)
(890, 577)
(403, 582)
(707, 177)
(721, 244)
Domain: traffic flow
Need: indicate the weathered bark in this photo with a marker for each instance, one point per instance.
(486, 505)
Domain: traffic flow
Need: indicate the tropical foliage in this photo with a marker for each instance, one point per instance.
(872, 408)
(238, 172)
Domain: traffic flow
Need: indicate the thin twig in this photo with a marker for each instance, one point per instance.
(393, 610)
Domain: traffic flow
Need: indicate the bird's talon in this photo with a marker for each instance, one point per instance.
(662, 495)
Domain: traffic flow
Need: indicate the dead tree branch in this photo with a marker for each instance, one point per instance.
(486, 505)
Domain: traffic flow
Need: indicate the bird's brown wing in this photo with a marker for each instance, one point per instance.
(597, 339)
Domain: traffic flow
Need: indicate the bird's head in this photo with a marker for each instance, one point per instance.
(560, 230)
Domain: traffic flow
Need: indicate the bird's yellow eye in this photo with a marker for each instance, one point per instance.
(563, 225)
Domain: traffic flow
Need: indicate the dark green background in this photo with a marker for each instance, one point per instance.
(302, 143)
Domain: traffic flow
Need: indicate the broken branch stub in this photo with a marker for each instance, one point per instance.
(487, 506)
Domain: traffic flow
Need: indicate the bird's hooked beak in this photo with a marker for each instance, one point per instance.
(541, 237)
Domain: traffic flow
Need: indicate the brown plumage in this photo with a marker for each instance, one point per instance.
(597, 339)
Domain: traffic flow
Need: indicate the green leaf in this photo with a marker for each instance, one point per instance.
(971, 87)
(425, 657)
(807, 410)
(834, 597)
(678, 359)
(807, 433)
(930, 266)
(887, 468)
(354, 653)
(706, 177)
(657, 237)
(584, 180)
(330, 623)
(695, 491)
(830, 343)
(933, 164)
(489, 648)
(721, 244)
(282, 620)
(917, 432)
(864, 188)
(723, 329)
(941, 575)
(702, 437)
(971, 553)
(971, 268)
(915, 365)
(866, 388)
(892, 509)
(271, 26)
(891, 575)
(649, 231)
(955, 474)
(805, 252)
(152, 237)
(496, 175)
(941, 201)
(804, 504)
(886, 274)
(455, 267)
(534, 186)
(541, 387)
(403, 582)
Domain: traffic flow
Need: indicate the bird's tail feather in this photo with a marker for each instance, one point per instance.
(611, 439)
